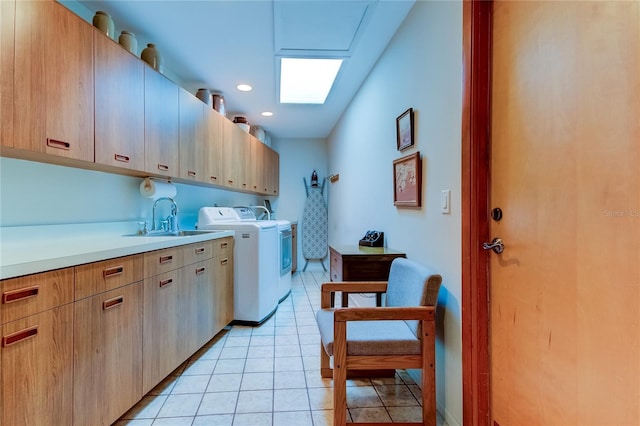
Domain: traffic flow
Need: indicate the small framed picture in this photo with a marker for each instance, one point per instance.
(407, 181)
(404, 130)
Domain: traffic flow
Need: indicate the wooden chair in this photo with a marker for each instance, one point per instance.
(400, 334)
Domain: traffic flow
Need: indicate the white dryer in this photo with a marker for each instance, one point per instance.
(256, 272)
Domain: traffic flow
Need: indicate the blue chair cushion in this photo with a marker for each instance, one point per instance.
(370, 337)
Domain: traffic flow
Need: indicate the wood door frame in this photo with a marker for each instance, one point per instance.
(476, 174)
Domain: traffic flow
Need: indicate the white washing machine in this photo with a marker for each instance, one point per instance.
(286, 258)
(256, 272)
(284, 247)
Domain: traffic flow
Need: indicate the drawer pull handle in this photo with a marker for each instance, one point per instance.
(58, 144)
(166, 259)
(191, 173)
(200, 270)
(163, 167)
(19, 336)
(214, 178)
(199, 250)
(224, 261)
(23, 293)
(113, 271)
(224, 245)
(230, 181)
(112, 303)
(165, 283)
(120, 157)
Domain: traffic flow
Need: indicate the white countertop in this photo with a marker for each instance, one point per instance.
(31, 249)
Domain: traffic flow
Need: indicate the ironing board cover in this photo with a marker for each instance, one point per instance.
(314, 225)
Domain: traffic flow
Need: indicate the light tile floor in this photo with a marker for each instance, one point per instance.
(269, 376)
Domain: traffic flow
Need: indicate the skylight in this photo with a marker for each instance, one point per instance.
(307, 81)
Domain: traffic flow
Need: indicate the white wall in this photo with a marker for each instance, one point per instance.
(298, 159)
(421, 68)
(35, 193)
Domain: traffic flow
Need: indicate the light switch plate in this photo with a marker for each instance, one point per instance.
(445, 201)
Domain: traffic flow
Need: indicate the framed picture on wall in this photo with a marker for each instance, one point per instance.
(404, 130)
(407, 181)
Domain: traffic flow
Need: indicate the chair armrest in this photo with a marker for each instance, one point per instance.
(420, 313)
(328, 289)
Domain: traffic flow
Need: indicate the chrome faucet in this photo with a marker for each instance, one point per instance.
(171, 222)
(263, 208)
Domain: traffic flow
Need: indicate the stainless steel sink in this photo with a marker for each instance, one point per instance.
(182, 233)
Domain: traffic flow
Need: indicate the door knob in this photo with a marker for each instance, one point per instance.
(496, 245)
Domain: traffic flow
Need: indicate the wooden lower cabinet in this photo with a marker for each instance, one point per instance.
(199, 280)
(162, 350)
(107, 355)
(223, 293)
(37, 369)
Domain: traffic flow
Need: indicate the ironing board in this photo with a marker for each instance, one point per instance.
(314, 225)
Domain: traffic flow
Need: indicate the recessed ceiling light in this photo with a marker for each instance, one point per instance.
(267, 114)
(244, 87)
(307, 80)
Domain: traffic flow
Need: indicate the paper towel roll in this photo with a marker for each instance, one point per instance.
(154, 189)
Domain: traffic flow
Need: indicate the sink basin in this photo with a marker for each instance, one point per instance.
(182, 233)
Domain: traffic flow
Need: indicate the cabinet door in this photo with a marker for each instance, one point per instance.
(199, 313)
(107, 355)
(258, 157)
(7, 49)
(193, 130)
(119, 118)
(160, 124)
(272, 172)
(161, 351)
(235, 156)
(213, 147)
(223, 281)
(37, 369)
(54, 98)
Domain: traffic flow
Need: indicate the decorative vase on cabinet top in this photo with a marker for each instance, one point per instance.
(219, 104)
(152, 56)
(205, 96)
(103, 22)
(128, 40)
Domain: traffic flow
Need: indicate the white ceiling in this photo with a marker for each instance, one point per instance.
(218, 44)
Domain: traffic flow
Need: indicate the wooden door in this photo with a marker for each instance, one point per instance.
(107, 355)
(223, 296)
(235, 156)
(7, 49)
(160, 124)
(53, 91)
(119, 79)
(565, 144)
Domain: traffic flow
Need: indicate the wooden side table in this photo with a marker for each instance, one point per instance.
(358, 263)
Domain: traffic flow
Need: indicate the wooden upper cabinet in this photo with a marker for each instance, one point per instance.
(119, 88)
(7, 21)
(272, 172)
(214, 147)
(160, 124)
(257, 176)
(53, 81)
(236, 155)
(193, 133)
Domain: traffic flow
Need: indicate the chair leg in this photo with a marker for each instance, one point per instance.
(325, 364)
(340, 374)
(428, 374)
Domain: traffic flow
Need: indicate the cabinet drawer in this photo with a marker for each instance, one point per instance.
(94, 278)
(197, 252)
(160, 261)
(223, 247)
(31, 294)
(335, 267)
